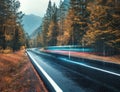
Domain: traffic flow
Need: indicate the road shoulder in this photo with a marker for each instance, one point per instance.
(18, 75)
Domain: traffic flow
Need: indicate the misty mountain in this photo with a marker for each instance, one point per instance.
(31, 22)
(36, 32)
(65, 4)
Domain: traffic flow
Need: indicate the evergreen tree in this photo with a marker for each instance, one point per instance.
(27, 39)
(61, 15)
(49, 11)
(10, 19)
(53, 29)
(77, 17)
(46, 22)
(39, 40)
(104, 29)
(49, 24)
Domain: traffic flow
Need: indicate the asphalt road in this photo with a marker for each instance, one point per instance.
(64, 77)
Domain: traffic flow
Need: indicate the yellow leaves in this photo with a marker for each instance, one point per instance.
(67, 34)
(49, 33)
(97, 7)
(63, 39)
(118, 40)
(50, 29)
(91, 36)
(8, 37)
(76, 19)
(116, 16)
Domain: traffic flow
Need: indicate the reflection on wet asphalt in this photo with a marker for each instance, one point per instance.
(68, 79)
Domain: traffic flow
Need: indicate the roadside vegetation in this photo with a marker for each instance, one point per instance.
(12, 35)
(18, 75)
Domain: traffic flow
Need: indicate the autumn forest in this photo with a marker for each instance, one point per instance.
(87, 23)
(12, 36)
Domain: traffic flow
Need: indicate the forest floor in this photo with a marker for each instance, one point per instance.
(18, 75)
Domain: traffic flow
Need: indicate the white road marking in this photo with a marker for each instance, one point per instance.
(55, 86)
(90, 66)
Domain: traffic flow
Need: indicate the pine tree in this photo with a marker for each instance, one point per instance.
(49, 11)
(10, 19)
(27, 40)
(39, 40)
(46, 22)
(104, 28)
(77, 17)
(4, 10)
(53, 29)
(49, 24)
(61, 15)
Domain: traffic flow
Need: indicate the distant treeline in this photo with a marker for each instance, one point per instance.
(12, 36)
(89, 23)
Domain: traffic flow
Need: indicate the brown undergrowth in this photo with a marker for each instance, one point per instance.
(18, 75)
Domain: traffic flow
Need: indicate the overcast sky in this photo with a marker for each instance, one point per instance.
(37, 7)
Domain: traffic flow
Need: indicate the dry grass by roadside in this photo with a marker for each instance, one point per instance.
(18, 75)
(112, 59)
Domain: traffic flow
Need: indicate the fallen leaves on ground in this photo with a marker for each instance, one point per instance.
(18, 75)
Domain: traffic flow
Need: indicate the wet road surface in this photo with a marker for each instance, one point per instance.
(66, 78)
